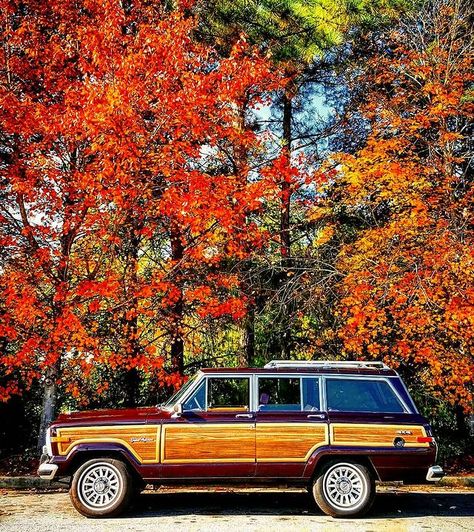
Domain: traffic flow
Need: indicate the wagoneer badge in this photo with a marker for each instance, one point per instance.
(143, 439)
(404, 432)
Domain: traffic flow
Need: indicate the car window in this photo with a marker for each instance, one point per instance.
(228, 393)
(197, 401)
(279, 393)
(359, 395)
(311, 394)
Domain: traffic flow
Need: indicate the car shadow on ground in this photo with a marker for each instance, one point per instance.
(387, 505)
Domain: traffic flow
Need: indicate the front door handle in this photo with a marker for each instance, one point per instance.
(316, 416)
(244, 416)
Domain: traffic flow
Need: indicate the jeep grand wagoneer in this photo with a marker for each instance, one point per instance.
(335, 427)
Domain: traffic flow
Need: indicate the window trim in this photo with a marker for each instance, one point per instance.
(406, 409)
(253, 378)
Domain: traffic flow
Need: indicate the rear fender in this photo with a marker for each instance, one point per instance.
(321, 456)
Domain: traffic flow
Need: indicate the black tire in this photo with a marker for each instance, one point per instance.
(344, 488)
(101, 487)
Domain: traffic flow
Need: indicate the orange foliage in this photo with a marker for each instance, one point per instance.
(407, 294)
(121, 132)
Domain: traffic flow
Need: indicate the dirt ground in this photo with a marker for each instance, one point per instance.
(395, 510)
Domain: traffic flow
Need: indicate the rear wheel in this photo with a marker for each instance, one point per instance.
(344, 489)
(102, 487)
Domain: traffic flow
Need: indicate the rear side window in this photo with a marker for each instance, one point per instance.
(282, 393)
(360, 395)
(228, 394)
(311, 394)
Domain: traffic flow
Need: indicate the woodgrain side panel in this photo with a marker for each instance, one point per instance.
(375, 435)
(206, 442)
(143, 441)
(289, 442)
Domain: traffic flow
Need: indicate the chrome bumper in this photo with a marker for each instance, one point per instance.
(47, 471)
(435, 473)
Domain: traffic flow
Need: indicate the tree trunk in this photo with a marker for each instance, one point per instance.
(248, 340)
(132, 382)
(50, 393)
(461, 424)
(48, 413)
(132, 377)
(177, 316)
(285, 240)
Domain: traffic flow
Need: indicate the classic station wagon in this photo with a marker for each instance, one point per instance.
(335, 427)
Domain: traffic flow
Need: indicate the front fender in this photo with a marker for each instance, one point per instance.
(85, 451)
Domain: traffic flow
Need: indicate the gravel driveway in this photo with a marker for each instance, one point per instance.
(395, 509)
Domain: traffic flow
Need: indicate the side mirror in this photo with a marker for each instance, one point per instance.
(178, 410)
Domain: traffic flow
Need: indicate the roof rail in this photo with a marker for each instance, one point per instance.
(361, 364)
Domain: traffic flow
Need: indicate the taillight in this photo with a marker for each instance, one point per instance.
(425, 439)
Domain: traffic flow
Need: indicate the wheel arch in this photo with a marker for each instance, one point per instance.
(320, 459)
(82, 454)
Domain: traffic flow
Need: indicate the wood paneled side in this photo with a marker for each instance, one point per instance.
(374, 435)
(207, 442)
(143, 441)
(289, 442)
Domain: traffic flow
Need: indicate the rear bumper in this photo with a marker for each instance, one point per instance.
(435, 473)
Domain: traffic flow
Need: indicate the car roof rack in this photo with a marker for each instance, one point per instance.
(308, 364)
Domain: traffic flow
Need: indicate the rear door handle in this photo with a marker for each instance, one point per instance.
(316, 416)
(244, 416)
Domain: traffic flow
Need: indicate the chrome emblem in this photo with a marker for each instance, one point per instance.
(404, 432)
(141, 440)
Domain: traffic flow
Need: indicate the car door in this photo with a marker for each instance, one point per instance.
(215, 434)
(290, 424)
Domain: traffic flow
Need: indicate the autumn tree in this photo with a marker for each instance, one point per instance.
(120, 204)
(295, 34)
(406, 294)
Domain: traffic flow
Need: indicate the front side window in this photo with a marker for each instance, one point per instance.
(279, 393)
(228, 394)
(359, 395)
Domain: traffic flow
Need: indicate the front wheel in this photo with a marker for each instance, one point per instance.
(344, 489)
(101, 487)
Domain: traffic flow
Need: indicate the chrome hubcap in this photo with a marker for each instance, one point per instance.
(99, 486)
(344, 486)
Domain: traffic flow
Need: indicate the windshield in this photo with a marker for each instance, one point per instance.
(175, 398)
